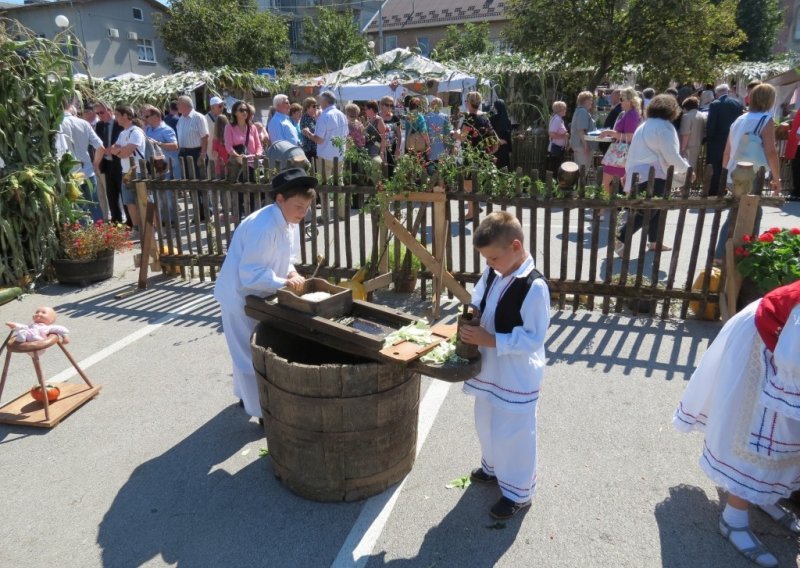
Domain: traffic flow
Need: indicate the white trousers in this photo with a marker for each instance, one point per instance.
(508, 447)
(238, 328)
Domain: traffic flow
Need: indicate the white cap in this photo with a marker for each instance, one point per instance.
(215, 101)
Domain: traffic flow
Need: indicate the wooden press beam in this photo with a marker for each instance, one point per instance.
(431, 263)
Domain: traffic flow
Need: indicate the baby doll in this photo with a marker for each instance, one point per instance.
(42, 326)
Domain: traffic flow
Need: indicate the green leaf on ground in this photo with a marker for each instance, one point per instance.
(263, 452)
(459, 483)
(497, 526)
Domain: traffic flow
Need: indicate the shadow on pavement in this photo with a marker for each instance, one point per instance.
(188, 508)
(466, 536)
(668, 349)
(688, 529)
(150, 305)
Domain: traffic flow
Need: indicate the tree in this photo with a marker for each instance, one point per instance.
(463, 41)
(760, 20)
(334, 39)
(669, 39)
(203, 34)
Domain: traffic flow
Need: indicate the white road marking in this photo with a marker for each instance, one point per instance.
(376, 511)
(70, 371)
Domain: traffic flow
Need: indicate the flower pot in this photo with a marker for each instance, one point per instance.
(748, 293)
(405, 283)
(83, 272)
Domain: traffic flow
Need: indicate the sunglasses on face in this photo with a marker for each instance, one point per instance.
(243, 110)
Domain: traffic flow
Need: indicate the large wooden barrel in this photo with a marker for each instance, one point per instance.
(339, 427)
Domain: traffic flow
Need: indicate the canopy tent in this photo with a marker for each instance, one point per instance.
(395, 73)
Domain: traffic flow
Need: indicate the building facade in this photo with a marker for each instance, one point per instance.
(118, 36)
(411, 23)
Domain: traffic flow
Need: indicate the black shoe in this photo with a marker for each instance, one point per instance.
(505, 508)
(241, 403)
(480, 476)
(261, 423)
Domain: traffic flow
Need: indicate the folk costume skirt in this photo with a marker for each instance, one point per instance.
(748, 415)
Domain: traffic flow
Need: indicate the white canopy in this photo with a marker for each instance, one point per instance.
(395, 73)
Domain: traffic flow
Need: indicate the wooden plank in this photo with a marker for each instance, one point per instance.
(378, 282)
(676, 245)
(745, 220)
(698, 234)
(425, 257)
(548, 224)
(25, 411)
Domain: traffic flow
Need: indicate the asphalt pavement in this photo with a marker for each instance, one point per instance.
(164, 469)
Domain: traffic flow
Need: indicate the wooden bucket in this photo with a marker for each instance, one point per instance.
(339, 427)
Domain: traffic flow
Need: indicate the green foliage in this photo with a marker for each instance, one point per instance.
(686, 51)
(460, 483)
(158, 91)
(203, 34)
(760, 20)
(35, 79)
(772, 259)
(463, 41)
(333, 38)
(668, 39)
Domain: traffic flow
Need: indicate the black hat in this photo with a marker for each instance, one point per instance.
(293, 177)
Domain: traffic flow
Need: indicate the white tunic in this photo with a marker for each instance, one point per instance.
(511, 374)
(747, 402)
(258, 261)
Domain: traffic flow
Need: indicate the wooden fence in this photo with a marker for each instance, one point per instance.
(564, 232)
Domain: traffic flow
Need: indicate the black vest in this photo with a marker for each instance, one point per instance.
(507, 315)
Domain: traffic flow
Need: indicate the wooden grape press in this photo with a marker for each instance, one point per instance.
(340, 409)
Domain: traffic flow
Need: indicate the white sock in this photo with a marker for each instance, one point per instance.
(738, 519)
(776, 513)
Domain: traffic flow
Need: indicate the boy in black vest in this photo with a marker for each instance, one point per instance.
(515, 313)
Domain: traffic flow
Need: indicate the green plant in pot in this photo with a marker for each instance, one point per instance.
(405, 266)
(768, 261)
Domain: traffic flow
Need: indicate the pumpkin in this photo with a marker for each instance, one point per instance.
(53, 392)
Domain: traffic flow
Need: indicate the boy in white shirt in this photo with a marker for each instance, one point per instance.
(259, 261)
(515, 312)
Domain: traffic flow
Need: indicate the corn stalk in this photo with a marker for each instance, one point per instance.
(35, 79)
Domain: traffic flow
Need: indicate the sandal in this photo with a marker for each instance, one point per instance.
(788, 521)
(756, 553)
(657, 247)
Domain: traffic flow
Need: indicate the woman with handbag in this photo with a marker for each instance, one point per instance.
(559, 136)
(752, 139)
(654, 145)
(242, 141)
(622, 134)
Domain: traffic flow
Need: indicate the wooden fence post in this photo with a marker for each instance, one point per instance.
(742, 177)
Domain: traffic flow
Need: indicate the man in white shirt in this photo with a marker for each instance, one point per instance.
(192, 135)
(280, 126)
(77, 136)
(331, 126)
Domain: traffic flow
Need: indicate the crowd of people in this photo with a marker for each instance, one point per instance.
(645, 130)
(111, 141)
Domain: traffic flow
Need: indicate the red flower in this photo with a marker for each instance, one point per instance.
(739, 251)
(746, 253)
(766, 237)
(775, 230)
(747, 238)
(795, 231)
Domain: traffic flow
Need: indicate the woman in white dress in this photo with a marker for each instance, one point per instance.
(745, 397)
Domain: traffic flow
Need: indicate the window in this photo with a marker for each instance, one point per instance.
(138, 14)
(295, 34)
(147, 54)
(389, 42)
(424, 45)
